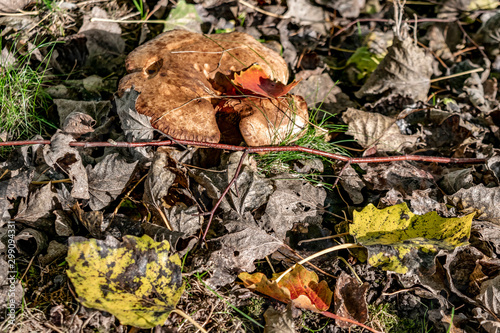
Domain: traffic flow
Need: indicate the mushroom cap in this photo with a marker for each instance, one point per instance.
(172, 74)
(266, 121)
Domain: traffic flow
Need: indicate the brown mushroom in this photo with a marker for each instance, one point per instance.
(175, 73)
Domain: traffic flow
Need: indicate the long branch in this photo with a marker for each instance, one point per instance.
(263, 149)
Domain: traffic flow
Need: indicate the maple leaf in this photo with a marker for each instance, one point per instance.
(299, 287)
(256, 80)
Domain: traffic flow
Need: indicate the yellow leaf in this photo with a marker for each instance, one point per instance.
(398, 240)
(137, 280)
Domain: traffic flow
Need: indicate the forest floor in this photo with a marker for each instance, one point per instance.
(139, 194)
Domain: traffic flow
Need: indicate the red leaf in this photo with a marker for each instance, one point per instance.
(300, 286)
(256, 80)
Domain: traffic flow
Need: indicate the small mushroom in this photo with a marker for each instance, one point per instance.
(175, 74)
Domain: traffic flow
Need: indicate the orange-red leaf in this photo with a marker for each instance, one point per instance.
(300, 286)
(256, 80)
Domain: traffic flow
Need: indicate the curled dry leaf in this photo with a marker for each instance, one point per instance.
(299, 286)
(375, 129)
(195, 63)
(78, 123)
(350, 300)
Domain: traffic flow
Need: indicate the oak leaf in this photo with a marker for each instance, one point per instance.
(299, 286)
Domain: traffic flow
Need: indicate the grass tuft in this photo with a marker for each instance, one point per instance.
(317, 136)
(22, 97)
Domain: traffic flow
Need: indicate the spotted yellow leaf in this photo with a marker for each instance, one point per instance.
(137, 280)
(400, 241)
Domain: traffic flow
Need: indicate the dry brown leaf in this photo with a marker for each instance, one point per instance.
(375, 129)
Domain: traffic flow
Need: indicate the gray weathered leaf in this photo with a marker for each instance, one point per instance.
(184, 219)
(375, 129)
(489, 34)
(424, 201)
(480, 199)
(403, 177)
(17, 186)
(5, 285)
(60, 154)
(137, 127)
(36, 211)
(55, 251)
(352, 184)
(244, 244)
(253, 189)
(158, 182)
(456, 180)
(293, 201)
(13, 6)
(104, 41)
(346, 8)
(406, 70)
(97, 110)
(278, 321)
(304, 13)
(490, 295)
(486, 236)
(493, 164)
(108, 179)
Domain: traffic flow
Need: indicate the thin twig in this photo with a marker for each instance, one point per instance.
(480, 49)
(336, 317)
(309, 263)
(188, 318)
(318, 254)
(98, 19)
(475, 70)
(21, 13)
(261, 149)
(212, 212)
(262, 11)
(322, 238)
(420, 20)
